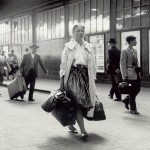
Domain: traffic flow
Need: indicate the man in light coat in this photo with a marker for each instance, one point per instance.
(128, 64)
(29, 67)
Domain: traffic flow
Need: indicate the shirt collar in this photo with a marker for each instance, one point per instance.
(72, 44)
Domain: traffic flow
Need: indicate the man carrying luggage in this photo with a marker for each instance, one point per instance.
(29, 67)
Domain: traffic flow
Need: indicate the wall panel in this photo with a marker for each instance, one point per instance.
(50, 52)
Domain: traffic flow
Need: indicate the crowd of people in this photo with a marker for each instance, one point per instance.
(78, 73)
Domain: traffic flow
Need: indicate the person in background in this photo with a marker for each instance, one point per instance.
(128, 65)
(26, 50)
(3, 53)
(14, 57)
(6, 72)
(29, 68)
(13, 62)
(78, 70)
(113, 68)
(3, 63)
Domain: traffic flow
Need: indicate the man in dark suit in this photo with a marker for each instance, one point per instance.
(113, 68)
(29, 66)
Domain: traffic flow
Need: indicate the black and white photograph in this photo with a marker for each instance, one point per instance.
(74, 74)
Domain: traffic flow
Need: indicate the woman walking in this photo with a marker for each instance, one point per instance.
(78, 74)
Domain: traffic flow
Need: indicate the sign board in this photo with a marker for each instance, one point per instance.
(97, 42)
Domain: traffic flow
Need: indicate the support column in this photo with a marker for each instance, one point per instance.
(34, 23)
(112, 18)
(66, 9)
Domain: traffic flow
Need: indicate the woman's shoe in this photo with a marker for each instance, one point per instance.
(134, 112)
(84, 135)
(73, 129)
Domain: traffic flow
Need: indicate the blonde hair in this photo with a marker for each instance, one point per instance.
(77, 25)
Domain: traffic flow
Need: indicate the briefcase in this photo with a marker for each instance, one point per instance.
(52, 99)
(17, 87)
(124, 88)
(65, 112)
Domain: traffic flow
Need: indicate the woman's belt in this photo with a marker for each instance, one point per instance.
(80, 66)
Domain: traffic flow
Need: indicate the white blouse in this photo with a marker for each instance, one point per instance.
(81, 56)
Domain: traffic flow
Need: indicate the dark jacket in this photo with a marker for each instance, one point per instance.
(113, 61)
(26, 64)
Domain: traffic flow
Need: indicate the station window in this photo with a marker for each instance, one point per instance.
(50, 24)
(5, 32)
(135, 13)
(93, 14)
(22, 29)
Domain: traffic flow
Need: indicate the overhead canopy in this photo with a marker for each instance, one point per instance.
(12, 7)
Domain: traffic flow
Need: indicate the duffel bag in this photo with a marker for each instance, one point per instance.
(65, 112)
(52, 99)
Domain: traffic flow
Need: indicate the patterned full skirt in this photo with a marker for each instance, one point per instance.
(77, 86)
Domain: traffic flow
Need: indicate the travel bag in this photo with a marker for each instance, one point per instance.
(17, 87)
(65, 112)
(52, 99)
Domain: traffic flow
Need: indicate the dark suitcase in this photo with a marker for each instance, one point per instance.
(124, 88)
(65, 112)
(52, 100)
(17, 87)
(99, 113)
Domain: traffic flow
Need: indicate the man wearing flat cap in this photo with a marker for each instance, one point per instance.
(29, 67)
(113, 68)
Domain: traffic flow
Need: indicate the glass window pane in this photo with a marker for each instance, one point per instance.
(106, 6)
(127, 18)
(57, 23)
(22, 22)
(49, 25)
(16, 30)
(136, 17)
(145, 16)
(70, 19)
(106, 22)
(87, 17)
(99, 15)
(41, 26)
(76, 14)
(19, 30)
(45, 25)
(119, 24)
(53, 24)
(62, 23)
(93, 16)
(127, 3)
(26, 29)
(30, 28)
(144, 2)
(0, 39)
(119, 4)
(82, 14)
(4, 31)
(136, 3)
